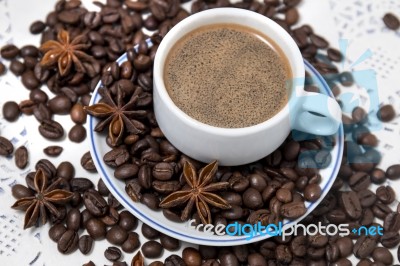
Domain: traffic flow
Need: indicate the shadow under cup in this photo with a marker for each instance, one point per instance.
(309, 112)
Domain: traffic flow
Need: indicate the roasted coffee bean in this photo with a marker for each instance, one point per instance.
(51, 129)
(334, 55)
(142, 62)
(131, 243)
(390, 239)
(359, 115)
(312, 192)
(351, 204)
(239, 183)
(20, 191)
(256, 259)
(90, 263)
(283, 254)
(393, 172)
(378, 176)
(392, 222)
(21, 157)
(85, 244)
(77, 133)
(29, 80)
(9, 51)
(342, 262)
(163, 171)
(116, 235)
(95, 203)
(257, 182)
(27, 107)
(383, 255)
(80, 184)
(228, 259)
(336, 216)
(381, 210)
(16, 67)
(367, 198)
(174, 260)
(73, 219)
(65, 170)
(291, 150)
(87, 162)
(364, 247)
(112, 253)
(38, 96)
(42, 112)
(332, 252)
(6, 147)
(386, 113)
(234, 213)
(11, 111)
(359, 181)
(385, 194)
(37, 27)
(293, 210)
(53, 150)
(391, 21)
(284, 195)
(56, 231)
(116, 157)
(149, 232)
(191, 256)
(47, 167)
(152, 249)
(345, 245)
(253, 199)
(96, 228)
(169, 243)
(3, 69)
(60, 104)
(150, 200)
(78, 114)
(68, 242)
(127, 221)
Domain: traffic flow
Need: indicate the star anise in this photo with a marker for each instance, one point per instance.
(199, 193)
(119, 116)
(64, 52)
(138, 259)
(44, 200)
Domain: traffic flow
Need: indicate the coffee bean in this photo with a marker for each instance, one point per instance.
(29, 80)
(364, 247)
(87, 162)
(68, 242)
(392, 222)
(351, 204)
(385, 194)
(95, 203)
(359, 181)
(126, 171)
(65, 170)
(116, 157)
(173, 260)
(390, 239)
(51, 129)
(253, 200)
(131, 243)
(9, 51)
(381, 254)
(3, 69)
(191, 256)
(228, 259)
(127, 221)
(169, 243)
(256, 259)
(293, 210)
(359, 115)
(152, 249)
(80, 184)
(60, 104)
(73, 219)
(116, 235)
(27, 107)
(149, 232)
(334, 55)
(11, 111)
(90, 263)
(378, 176)
(291, 16)
(16, 67)
(393, 172)
(20, 191)
(56, 231)
(77, 134)
(78, 114)
(85, 244)
(391, 21)
(150, 200)
(21, 157)
(386, 113)
(312, 192)
(37, 27)
(381, 210)
(53, 151)
(163, 171)
(96, 229)
(47, 167)
(291, 150)
(112, 253)
(346, 79)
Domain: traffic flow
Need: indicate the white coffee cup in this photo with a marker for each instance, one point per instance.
(309, 112)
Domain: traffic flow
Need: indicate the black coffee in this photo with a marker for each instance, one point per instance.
(227, 75)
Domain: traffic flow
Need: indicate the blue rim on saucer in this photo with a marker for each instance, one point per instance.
(124, 199)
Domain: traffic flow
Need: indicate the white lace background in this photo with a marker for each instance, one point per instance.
(359, 22)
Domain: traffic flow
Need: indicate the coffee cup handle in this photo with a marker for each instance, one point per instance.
(317, 114)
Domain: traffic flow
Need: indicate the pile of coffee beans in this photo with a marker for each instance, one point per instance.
(268, 190)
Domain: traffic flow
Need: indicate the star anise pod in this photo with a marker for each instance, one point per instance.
(119, 116)
(44, 200)
(138, 259)
(199, 193)
(65, 52)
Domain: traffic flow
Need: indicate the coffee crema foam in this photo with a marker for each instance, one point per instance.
(227, 75)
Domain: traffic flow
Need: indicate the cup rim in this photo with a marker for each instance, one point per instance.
(169, 40)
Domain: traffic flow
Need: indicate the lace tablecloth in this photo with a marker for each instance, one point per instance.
(354, 25)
